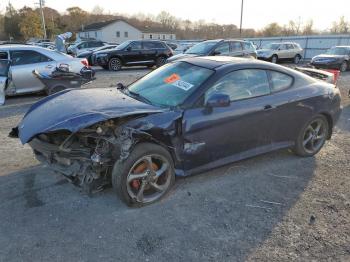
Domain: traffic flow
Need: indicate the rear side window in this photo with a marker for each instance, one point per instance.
(153, 45)
(236, 46)
(290, 46)
(242, 84)
(25, 57)
(135, 46)
(280, 81)
(223, 49)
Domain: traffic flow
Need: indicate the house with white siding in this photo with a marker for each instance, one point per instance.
(119, 30)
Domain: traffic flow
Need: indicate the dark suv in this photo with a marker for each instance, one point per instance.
(134, 53)
(221, 47)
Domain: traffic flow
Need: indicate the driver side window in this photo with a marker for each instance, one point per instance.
(242, 84)
(223, 49)
(135, 46)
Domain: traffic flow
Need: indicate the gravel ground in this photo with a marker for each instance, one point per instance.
(275, 207)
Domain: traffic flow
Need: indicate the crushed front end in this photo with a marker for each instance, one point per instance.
(86, 157)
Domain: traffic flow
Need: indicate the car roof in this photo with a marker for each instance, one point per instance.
(342, 46)
(221, 62)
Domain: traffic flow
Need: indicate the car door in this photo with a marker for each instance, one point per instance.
(291, 51)
(23, 62)
(150, 50)
(237, 49)
(4, 71)
(282, 51)
(230, 133)
(133, 53)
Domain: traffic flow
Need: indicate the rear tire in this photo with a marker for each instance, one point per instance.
(312, 137)
(297, 59)
(160, 61)
(128, 185)
(274, 59)
(115, 64)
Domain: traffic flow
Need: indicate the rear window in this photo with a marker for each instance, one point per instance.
(280, 81)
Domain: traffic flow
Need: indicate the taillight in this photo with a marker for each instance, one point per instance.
(85, 62)
(336, 74)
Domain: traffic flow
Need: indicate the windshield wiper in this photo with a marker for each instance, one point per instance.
(140, 97)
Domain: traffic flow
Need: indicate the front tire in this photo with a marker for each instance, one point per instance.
(115, 64)
(312, 137)
(145, 177)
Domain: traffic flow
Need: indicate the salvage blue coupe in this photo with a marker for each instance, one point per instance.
(186, 117)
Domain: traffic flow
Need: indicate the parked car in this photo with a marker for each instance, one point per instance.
(134, 53)
(83, 46)
(90, 54)
(182, 48)
(276, 52)
(186, 117)
(337, 57)
(26, 58)
(218, 47)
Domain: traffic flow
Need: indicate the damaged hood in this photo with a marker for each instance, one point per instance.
(79, 108)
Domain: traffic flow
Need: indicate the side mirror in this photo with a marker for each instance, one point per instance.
(120, 86)
(218, 100)
(128, 48)
(216, 53)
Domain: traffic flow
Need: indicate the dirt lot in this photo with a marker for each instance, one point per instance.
(276, 207)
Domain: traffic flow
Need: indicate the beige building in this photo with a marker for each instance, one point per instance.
(118, 31)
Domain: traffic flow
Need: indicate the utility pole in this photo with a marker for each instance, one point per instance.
(41, 4)
(240, 25)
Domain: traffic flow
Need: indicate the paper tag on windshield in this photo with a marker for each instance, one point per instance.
(183, 85)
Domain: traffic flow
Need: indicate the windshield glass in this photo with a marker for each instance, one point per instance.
(201, 48)
(171, 84)
(123, 45)
(272, 46)
(337, 51)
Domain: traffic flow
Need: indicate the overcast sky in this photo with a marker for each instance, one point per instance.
(257, 13)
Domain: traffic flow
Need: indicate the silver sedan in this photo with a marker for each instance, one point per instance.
(26, 58)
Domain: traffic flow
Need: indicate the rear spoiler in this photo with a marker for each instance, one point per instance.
(328, 75)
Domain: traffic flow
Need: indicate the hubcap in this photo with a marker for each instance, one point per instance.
(296, 60)
(149, 178)
(274, 59)
(315, 136)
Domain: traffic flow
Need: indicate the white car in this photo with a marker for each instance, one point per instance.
(25, 59)
(275, 52)
(84, 46)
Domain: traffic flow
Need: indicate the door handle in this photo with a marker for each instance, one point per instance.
(268, 107)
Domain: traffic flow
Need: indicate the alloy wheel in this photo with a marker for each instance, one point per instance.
(149, 178)
(314, 136)
(115, 64)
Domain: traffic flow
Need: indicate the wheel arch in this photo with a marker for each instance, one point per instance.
(330, 123)
(116, 56)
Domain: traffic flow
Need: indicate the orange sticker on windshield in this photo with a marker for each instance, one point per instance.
(171, 79)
